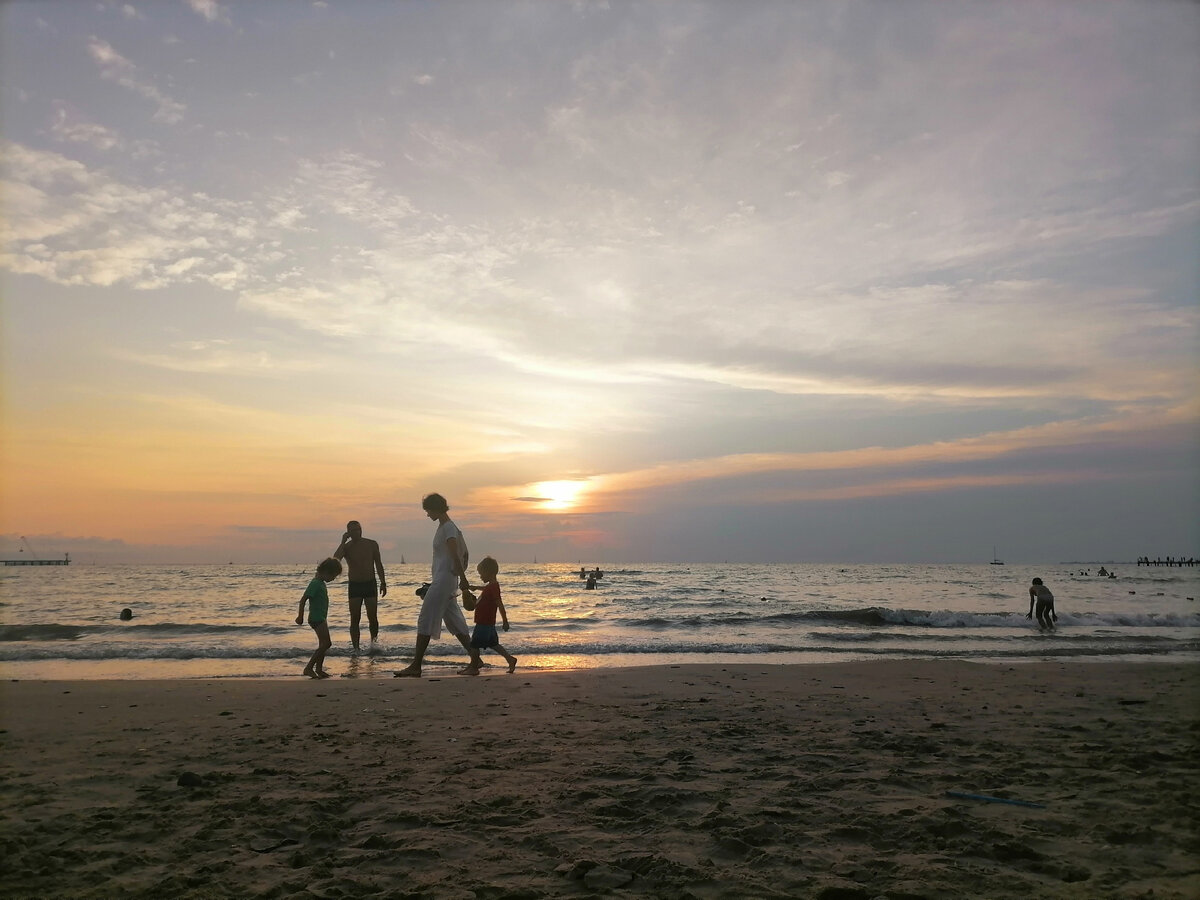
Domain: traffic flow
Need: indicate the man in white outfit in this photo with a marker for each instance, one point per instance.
(449, 575)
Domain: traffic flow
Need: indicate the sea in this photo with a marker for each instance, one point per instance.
(238, 621)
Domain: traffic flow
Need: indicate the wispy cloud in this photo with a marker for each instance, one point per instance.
(875, 471)
(210, 10)
(73, 225)
(115, 67)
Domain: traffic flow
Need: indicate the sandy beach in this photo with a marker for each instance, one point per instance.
(823, 781)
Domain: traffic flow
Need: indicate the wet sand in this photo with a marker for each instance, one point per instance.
(705, 781)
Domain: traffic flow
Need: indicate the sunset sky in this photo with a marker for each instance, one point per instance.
(626, 281)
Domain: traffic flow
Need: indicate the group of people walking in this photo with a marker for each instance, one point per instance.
(439, 599)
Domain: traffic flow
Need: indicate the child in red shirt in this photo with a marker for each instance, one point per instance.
(484, 637)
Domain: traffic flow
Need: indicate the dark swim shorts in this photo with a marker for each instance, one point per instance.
(362, 590)
(484, 636)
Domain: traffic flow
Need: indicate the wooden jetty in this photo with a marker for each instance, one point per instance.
(65, 561)
(33, 559)
(1166, 561)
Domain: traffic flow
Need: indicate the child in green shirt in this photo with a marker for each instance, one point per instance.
(317, 596)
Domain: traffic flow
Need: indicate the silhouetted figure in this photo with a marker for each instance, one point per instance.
(448, 576)
(363, 560)
(316, 595)
(1041, 599)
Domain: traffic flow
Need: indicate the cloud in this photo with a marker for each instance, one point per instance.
(247, 358)
(115, 67)
(1041, 454)
(70, 126)
(73, 225)
(210, 10)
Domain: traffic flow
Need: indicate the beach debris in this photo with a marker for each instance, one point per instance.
(190, 779)
(604, 877)
(961, 796)
(286, 842)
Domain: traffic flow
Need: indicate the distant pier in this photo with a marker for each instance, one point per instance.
(1166, 561)
(65, 561)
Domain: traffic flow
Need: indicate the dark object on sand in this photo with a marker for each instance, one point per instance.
(987, 799)
(126, 614)
(190, 779)
(420, 592)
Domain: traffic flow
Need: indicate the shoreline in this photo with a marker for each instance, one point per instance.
(689, 780)
(368, 667)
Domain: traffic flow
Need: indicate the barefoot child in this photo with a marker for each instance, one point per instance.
(489, 603)
(318, 611)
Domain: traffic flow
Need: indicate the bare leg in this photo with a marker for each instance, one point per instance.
(508, 658)
(476, 663)
(373, 617)
(355, 618)
(413, 669)
(316, 666)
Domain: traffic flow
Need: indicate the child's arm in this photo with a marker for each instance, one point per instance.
(503, 614)
(1029, 615)
(300, 614)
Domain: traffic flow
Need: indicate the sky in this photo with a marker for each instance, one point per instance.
(625, 281)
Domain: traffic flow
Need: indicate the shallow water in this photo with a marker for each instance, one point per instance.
(230, 621)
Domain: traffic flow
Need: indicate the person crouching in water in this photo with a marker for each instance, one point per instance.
(1041, 599)
(484, 637)
(317, 596)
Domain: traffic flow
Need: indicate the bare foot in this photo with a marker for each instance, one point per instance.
(408, 672)
(469, 670)
(309, 673)
(512, 664)
(322, 674)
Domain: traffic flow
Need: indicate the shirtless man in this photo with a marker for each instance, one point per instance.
(362, 556)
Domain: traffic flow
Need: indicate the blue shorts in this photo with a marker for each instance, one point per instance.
(484, 636)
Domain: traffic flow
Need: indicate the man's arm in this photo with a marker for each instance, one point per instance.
(378, 560)
(457, 565)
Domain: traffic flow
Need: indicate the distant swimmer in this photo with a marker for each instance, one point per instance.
(591, 582)
(126, 614)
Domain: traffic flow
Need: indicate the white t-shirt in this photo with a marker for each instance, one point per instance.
(443, 567)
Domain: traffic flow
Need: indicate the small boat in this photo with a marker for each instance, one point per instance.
(996, 561)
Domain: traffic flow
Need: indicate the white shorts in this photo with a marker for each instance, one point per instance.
(441, 604)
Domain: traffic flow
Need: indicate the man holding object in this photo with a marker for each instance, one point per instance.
(362, 556)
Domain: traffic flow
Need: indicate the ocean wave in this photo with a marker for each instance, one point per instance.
(59, 632)
(40, 632)
(1025, 645)
(917, 618)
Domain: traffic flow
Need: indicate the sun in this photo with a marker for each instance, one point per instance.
(558, 495)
